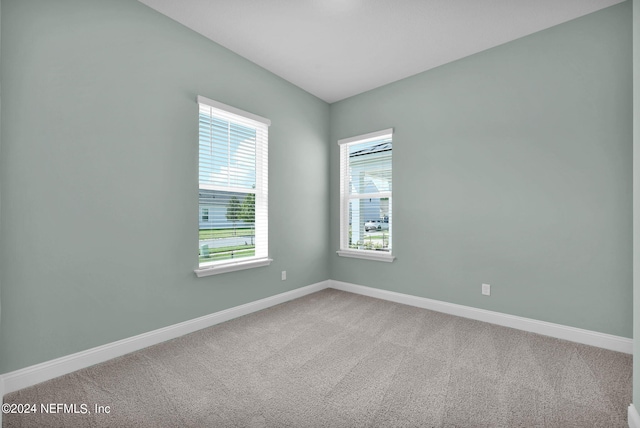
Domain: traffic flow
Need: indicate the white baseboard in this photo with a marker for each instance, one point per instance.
(587, 337)
(1, 395)
(632, 417)
(32, 375)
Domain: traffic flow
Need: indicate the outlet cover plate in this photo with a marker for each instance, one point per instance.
(486, 289)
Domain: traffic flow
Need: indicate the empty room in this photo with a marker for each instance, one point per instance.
(319, 213)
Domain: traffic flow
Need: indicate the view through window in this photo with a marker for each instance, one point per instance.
(232, 185)
(366, 186)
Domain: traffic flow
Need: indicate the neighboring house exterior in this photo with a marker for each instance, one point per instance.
(213, 204)
(213, 209)
(364, 178)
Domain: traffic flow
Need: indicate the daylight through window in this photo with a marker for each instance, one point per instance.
(365, 196)
(232, 185)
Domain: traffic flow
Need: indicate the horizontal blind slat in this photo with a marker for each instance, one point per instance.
(233, 181)
(365, 193)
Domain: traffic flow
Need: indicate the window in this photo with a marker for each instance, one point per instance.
(366, 219)
(233, 186)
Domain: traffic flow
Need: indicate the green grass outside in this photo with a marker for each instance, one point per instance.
(230, 248)
(225, 253)
(385, 236)
(225, 233)
(370, 242)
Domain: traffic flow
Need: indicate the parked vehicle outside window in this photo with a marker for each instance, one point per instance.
(379, 224)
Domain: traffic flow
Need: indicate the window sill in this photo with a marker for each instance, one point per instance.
(367, 255)
(231, 267)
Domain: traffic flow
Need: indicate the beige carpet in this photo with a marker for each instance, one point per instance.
(335, 359)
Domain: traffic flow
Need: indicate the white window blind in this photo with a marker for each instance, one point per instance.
(233, 186)
(366, 218)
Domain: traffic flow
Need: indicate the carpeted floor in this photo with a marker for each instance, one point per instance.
(336, 359)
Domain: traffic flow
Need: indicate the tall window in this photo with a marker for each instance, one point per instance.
(233, 225)
(366, 223)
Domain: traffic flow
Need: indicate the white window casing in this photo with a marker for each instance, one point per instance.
(366, 208)
(233, 188)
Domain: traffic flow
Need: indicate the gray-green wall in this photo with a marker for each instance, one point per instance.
(99, 176)
(512, 167)
(636, 203)
(0, 162)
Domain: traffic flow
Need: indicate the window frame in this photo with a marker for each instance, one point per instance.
(345, 197)
(261, 222)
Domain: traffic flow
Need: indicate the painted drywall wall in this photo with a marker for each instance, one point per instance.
(636, 203)
(512, 167)
(0, 162)
(99, 176)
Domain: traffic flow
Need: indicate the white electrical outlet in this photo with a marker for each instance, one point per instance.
(284, 275)
(486, 289)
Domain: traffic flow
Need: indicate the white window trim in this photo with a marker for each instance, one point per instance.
(219, 267)
(378, 256)
(233, 110)
(365, 138)
(231, 267)
(344, 251)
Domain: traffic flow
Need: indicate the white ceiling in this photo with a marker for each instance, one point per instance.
(338, 48)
